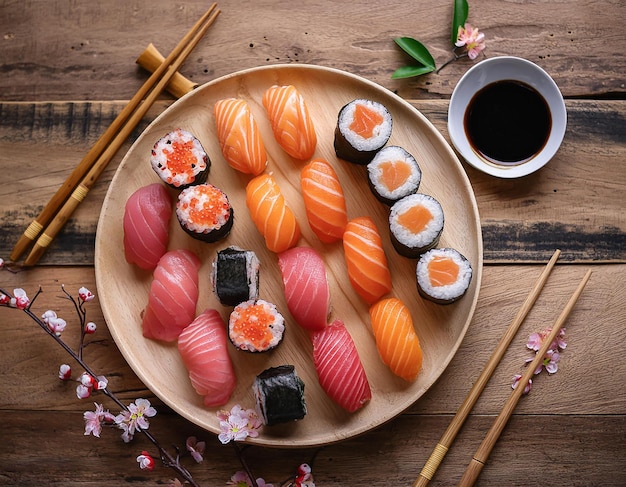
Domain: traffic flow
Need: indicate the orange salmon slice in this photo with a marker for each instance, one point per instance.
(442, 271)
(415, 219)
(365, 121)
(394, 174)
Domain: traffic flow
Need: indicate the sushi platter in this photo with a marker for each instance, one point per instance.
(124, 288)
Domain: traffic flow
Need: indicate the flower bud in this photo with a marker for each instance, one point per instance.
(145, 461)
(83, 392)
(65, 372)
(90, 328)
(85, 294)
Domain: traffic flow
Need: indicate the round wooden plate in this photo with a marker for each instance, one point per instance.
(123, 288)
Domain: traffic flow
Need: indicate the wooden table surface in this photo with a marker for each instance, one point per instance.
(67, 69)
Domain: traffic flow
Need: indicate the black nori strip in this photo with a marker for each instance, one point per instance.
(231, 280)
(280, 395)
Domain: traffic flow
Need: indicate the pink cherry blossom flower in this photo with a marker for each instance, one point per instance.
(101, 383)
(85, 294)
(517, 378)
(135, 419)
(55, 324)
(90, 328)
(95, 419)
(196, 448)
(241, 479)
(21, 299)
(550, 360)
(238, 424)
(83, 392)
(472, 39)
(65, 372)
(145, 461)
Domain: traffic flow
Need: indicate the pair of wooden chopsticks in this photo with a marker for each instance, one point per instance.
(67, 198)
(478, 461)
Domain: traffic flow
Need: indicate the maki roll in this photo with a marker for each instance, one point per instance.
(256, 326)
(443, 275)
(204, 212)
(393, 174)
(180, 160)
(415, 223)
(235, 276)
(363, 128)
(279, 395)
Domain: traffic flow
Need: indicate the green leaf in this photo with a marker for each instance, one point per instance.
(417, 51)
(410, 71)
(461, 9)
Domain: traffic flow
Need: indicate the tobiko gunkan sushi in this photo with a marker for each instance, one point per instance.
(204, 212)
(256, 326)
(179, 159)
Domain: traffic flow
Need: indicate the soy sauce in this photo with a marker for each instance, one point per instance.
(507, 122)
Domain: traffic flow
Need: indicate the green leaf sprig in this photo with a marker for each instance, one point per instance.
(420, 53)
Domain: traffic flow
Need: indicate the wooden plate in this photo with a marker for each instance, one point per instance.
(123, 288)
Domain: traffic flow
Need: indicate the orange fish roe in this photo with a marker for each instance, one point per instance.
(255, 326)
(365, 121)
(209, 207)
(181, 160)
(442, 271)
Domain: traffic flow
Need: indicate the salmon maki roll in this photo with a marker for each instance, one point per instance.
(397, 343)
(324, 200)
(393, 174)
(239, 136)
(365, 258)
(443, 275)
(290, 121)
(415, 224)
(270, 213)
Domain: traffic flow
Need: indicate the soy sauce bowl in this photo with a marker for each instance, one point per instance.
(502, 69)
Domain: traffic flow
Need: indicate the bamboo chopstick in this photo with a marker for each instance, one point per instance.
(150, 59)
(439, 452)
(169, 68)
(480, 457)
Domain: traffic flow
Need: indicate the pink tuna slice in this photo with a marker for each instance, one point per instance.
(306, 287)
(202, 346)
(173, 296)
(146, 225)
(339, 368)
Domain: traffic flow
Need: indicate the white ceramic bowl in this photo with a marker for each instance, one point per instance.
(498, 69)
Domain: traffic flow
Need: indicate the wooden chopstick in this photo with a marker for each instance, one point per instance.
(439, 452)
(170, 66)
(480, 457)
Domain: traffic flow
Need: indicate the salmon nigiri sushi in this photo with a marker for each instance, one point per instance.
(239, 136)
(324, 200)
(365, 258)
(290, 121)
(203, 348)
(339, 368)
(396, 340)
(270, 213)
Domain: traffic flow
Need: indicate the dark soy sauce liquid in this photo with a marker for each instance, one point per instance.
(507, 122)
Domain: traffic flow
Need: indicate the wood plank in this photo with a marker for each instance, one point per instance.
(59, 49)
(593, 340)
(569, 450)
(581, 189)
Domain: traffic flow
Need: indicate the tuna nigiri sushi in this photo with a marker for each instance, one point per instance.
(239, 136)
(146, 225)
(290, 121)
(396, 340)
(173, 296)
(324, 200)
(203, 348)
(271, 215)
(339, 367)
(366, 260)
(306, 287)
